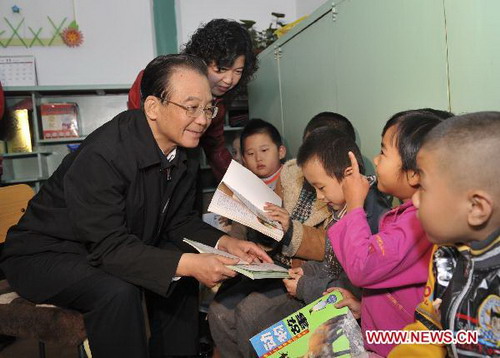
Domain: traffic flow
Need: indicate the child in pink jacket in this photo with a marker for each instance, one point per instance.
(392, 265)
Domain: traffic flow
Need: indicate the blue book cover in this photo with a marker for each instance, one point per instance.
(317, 330)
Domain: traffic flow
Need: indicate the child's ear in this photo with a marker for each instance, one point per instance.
(151, 107)
(347, 171)
(282, 151)
(480, 208)
(412, 177)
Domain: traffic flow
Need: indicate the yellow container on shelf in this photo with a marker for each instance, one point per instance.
(283, 30)
(20, 135)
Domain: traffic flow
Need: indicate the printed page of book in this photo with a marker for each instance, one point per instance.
(317, 330)
(224, 203)
(249, 188)
(205, 249)
(251, 272)
(263, 267)
(254, 271)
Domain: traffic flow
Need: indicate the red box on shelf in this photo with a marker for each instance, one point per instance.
(59, 120)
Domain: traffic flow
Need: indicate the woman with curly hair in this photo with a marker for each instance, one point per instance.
(226, 47)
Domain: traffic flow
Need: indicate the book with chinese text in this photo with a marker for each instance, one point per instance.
(241, 197)
(255, 271)
(317, 330)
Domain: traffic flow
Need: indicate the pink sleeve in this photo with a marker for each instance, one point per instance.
(396, 256)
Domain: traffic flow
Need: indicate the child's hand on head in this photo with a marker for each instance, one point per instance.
(292, 282)
(349, 300)
(279, 214)
(354, 185)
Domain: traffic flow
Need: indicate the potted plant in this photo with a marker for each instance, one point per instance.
(262, 39)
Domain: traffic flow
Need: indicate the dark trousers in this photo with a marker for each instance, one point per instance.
(112, 308)
(235, 313)
(174, 320)
(112, 312)
(114, 320)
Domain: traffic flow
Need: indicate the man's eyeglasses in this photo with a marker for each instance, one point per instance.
(194, 112)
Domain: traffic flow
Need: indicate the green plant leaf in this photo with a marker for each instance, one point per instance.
(73, 25)
(248, 23)
(278, 14)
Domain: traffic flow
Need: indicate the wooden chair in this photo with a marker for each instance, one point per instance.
(13, 202)
(22, 318)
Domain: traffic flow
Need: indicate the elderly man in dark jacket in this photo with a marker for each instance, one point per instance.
(111, 219)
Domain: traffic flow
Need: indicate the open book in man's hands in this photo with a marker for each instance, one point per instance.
(253, 270)
(241, 197)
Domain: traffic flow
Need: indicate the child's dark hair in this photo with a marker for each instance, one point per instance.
(221, 41)
(331, 148)
(468, 143)
(257, 126)
(331, 120)
(411, 128)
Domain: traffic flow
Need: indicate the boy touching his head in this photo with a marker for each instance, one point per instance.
(324, 160)
(458, 204)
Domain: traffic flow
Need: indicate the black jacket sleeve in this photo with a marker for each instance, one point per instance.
(95, 196)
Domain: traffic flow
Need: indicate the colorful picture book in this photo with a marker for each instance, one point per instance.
(241, 197)
(255, 271)
(317, 330)
(59, 120)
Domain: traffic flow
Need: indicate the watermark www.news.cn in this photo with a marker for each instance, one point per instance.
(422, 337)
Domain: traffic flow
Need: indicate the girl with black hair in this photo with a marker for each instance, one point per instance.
(390, 266)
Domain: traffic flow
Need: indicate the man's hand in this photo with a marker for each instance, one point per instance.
(349, 300)
(354, 185)
(246, 250)
(296, 272)
(292, 282)
(277, 213)
(209, 269)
